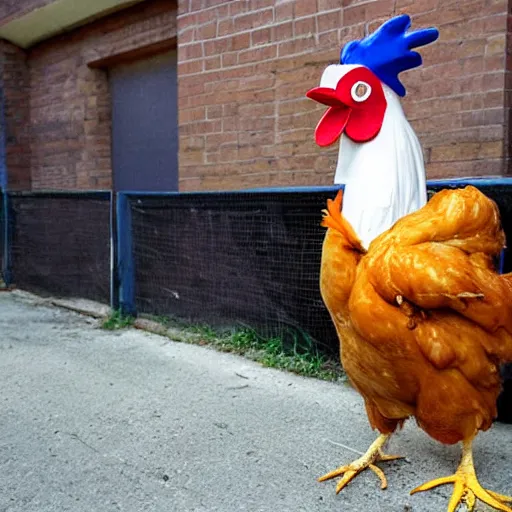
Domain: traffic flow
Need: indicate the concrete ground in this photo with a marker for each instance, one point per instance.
(98, 421)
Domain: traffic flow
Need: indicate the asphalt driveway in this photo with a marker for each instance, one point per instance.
(99, 421)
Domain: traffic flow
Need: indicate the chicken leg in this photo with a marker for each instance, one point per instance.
(466, 486)
(368, 460)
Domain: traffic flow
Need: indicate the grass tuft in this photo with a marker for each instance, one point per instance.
(118, 321)
(294, 351)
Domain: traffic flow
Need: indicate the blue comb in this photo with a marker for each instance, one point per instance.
(388, 51)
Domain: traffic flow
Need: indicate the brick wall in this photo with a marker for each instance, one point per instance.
(15, 85)
(508, 98)
(69, 102)
(245, 65)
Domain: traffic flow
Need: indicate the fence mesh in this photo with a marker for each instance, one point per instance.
(225, 259)
(242, 258)
(61, 244)
(220, 258)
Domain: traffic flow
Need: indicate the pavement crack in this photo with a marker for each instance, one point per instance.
(238, 387)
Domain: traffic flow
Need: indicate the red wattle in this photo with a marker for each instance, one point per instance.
(331, 126)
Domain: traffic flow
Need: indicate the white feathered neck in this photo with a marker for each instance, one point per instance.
(385, 178)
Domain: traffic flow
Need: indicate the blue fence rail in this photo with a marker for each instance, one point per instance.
(112, 223)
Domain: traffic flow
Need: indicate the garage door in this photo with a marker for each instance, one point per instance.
(145, 124)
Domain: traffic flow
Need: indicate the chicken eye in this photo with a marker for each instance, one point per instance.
(360, 91)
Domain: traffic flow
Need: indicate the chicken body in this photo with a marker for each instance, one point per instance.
(424, 321)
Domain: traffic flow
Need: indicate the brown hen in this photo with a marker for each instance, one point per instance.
(424, 323)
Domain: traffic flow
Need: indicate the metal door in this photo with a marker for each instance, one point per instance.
(145, 124)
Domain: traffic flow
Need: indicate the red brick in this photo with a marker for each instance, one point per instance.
(329, 39)
(283, 31)
(190, 67)
(186, 35)
(262, 36)
(305, 7)
(207, 31)
(253, 19)
(257, 54)
(496, 45)
(329, 21)
(467, 151)
(229, 59)
(484, 117)
(192, 143)
(183, 7)
(488, 167)
(328, 5)
(192, 114)
(295, 46)
(413, 7)
(202, 127)
(211, 63)
(367, 12)
(191, 51)
(255, 138)
(257, 109)
(494, 63)
(203, 16)
(216, 140)
(284, 11)
(241, 41)
(225, 27)
(217, 46)
(213, 111)
(352, 32)
(196, 5)
(304, 26)
(227, 86)
(255, 5)
(239, 7)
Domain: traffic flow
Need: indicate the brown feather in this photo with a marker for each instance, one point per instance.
(423, 318)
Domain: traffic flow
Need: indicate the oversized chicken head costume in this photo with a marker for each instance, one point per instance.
(380, 160)
(423, 318)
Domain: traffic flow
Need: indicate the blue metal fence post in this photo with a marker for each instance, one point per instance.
(6, 239)
(6, 230)
(114, 298)
(125, 262)
(501, 265)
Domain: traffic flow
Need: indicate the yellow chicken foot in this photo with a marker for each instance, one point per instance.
(368, 460)
(466, 486)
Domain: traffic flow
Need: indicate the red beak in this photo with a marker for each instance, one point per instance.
(334, 121)
(359, 117)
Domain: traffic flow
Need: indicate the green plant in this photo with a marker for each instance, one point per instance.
(117, 320)
(292, 350)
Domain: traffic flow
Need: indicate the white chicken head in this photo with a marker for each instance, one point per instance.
(380, 159)
(354, 90)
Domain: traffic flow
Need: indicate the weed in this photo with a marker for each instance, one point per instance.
(293, 350)
(118, 321)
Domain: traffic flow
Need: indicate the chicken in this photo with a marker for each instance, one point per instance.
(423, 318)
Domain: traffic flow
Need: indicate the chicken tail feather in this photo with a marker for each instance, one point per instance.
(334, 219)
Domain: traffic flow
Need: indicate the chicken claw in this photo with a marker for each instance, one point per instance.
(368, 460)
(466, 486)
